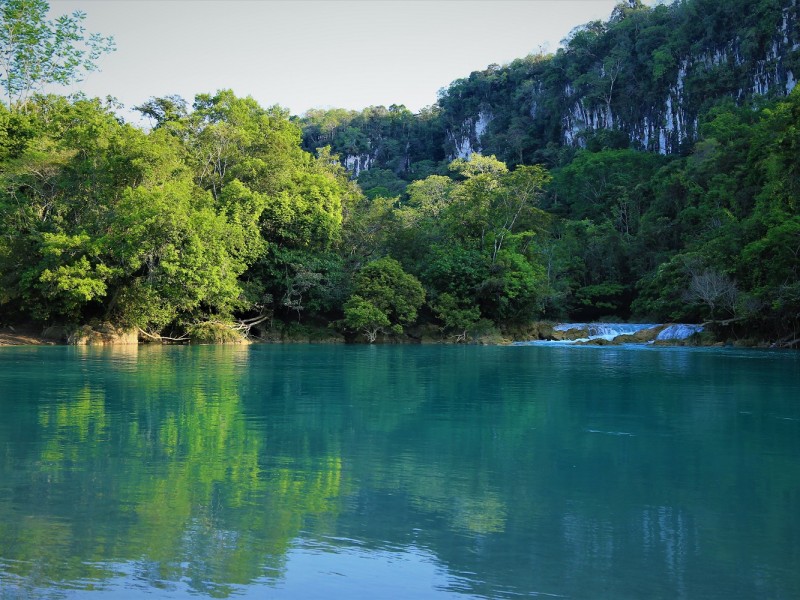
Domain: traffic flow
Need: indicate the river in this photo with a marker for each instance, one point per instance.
(399, 472)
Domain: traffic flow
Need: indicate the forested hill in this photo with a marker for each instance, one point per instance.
(649, 170)
(642, 79)
(670, 134)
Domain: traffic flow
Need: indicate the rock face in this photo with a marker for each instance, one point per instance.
(103, 335)
(665, 126)
(357, 163)
(466, 139)
(647, 77)
(643, 79)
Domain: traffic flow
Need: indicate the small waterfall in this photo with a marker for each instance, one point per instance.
(568, 326)
(600, 333)
(679, 331)
(604, 331)
(608, 331)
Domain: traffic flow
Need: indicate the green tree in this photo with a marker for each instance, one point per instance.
(102, 220)
(36, 51)
(605, 184)
(384, 297)
(456, 318)
(381, 182)
(363, 316)
(180, 259)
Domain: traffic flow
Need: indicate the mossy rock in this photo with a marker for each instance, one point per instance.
(576, 333)
(104, 334)
(215, 333)
(640, 337)
(57, 333)
(535, 330)
(598, 342)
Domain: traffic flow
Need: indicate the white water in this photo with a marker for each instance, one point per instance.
(605, 331)
(679, 331)
(610, 331)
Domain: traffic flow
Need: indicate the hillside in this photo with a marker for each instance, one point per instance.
(643, 79)
(660, 127)
(648, 170)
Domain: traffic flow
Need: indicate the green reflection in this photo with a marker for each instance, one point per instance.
(521, 470)
(156, 465)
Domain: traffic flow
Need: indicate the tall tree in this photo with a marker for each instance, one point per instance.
(384, 299)
(36, 51)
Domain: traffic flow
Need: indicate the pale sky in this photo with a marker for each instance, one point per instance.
(324, 53)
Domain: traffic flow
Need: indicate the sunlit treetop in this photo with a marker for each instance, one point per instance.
(36, 51)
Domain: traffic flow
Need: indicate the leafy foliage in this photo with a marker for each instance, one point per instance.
(227, 210)
(35, 51)
(151, 230)
(384, 299)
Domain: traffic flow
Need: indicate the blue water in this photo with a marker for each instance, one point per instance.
(399, 472)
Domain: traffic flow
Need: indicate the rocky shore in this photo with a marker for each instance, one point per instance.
(539, 332)
(22, 336)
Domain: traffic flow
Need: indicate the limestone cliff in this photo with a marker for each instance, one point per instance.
(643, 79)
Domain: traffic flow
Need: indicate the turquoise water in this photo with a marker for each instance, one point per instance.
(399, 472)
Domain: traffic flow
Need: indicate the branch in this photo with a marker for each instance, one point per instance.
(789, 344)
(161, 338)
(786, 342)
(246, 325)
(255, 320)
(723, 322)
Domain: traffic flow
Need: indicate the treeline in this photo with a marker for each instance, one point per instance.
(713, 235)
(215, 212)
(226, 217)
(665, 234)
(217, 220)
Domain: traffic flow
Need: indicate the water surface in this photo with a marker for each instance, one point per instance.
(399, 471)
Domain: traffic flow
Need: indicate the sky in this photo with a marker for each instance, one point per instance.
(315, 54)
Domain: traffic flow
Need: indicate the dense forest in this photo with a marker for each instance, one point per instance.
(648, 169)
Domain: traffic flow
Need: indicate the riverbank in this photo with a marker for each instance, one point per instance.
(22, 336)
(535, 332)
